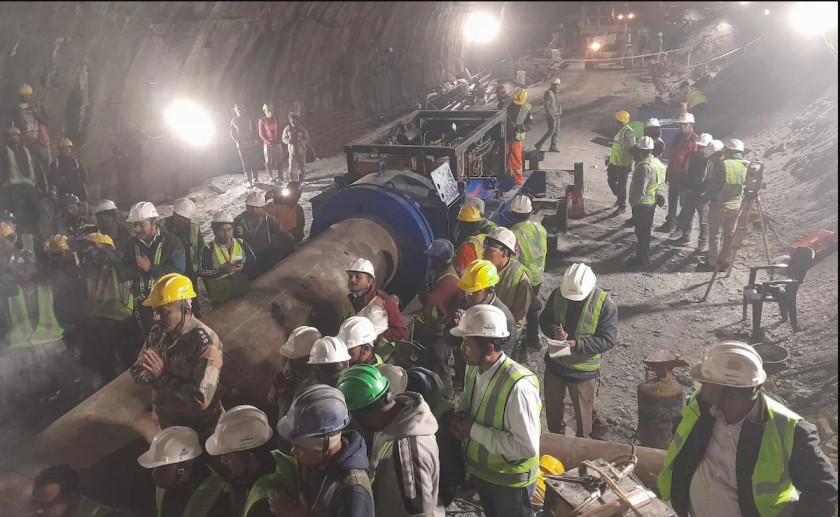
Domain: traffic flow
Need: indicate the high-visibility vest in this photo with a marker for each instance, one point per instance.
(203, 499)
(524, 110)
(20, 173)
(227, 286)
(326, 504)
(112, 300)
(27, 241)
(587, 324)
(385, 349)
(196, 245)
(348, 310)
(145, 285)
(480, 462)
(477, 242)
(736, 176)
(436, 324)
(772, 489)
(658, 169)
(484, 227)
(694, 97)
(509, 279)
(533, 247)
(284, 479)
(618, 155)
(21, 333)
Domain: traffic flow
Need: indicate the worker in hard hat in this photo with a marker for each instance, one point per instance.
(466, 226)
(186, 486)
(255, 471)
(242, 134)
(295, 372)
(297, 138)
(519, 122)
(20, 241)
(332, 459)
(359, 336)
(263, 232)
(378, 316)
(471, 230)
(55, 493)
(586, 318)
(397, 377)
(514, 288)
(737, 451)
(642, 196)
(361, 282)
(67, 175)
(693, 186)
(108, 222)
(285, 207)
(620, 162)
(678, 153)
(70, 219)
(402, 451)
(551, 102)
(452, 470)
(181, 359)
(225, 262)
(438, 295)
(152, 253)
(183, 224)
(498, 416)
(32, 119)
(61, 269)
(329, 359)
(653, 129)
(532, 243)
(694, 99)
(270, 132)
(724, 193)
(502, 97)
(22, 182)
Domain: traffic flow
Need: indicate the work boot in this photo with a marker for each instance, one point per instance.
(620, 210)
(628, 223)
(702, 247)
(676, 235)
(705, 267)
(636, 262)
(553, 150)
(665, 227)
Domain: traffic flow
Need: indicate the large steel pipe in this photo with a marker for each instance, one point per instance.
(104, 434)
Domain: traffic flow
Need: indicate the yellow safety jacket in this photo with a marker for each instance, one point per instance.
(732, 191)
(145, 285)
(109, 298)
(618, 155)
(587, 324)
(21, 333)
(226, 286)
(773, 490)
(533, 247)
(203, 499)
(509, 280)
(694, 97)
(284, 480)
(658, 168)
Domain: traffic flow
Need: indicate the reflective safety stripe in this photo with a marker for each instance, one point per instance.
(203, 499)
(587, 324)
(227, 286)
(736, 176)
(509, 280)
(196, 246)
(284, 480)
(533, 247)
(524, 110)
(326, 502)
(348, 309)
(109, 298)
(145, 286)
(480, 462)
(618, 155)
(385, 349)
(658, 169)
(21, 333)
(27, 241)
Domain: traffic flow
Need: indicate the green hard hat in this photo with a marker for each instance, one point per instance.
(362, 385)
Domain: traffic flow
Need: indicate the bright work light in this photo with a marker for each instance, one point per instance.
(813, 18)
(189, 122)
(481, 27)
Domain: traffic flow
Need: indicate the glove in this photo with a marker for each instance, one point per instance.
(660, 200)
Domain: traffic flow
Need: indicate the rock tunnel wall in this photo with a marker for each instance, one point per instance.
(105, 72)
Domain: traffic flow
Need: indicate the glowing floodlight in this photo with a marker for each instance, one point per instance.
(620, 16)
(631, 15)
(813, 18)
(481, 27)
(190, 122)
(766, 12)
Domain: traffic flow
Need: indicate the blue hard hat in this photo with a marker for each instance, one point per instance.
(24, 258)
(318, 410)
(427, 383)
(441, 248)
(7, 217)
(68, 199)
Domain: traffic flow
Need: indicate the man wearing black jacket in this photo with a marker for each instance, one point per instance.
(736, 451)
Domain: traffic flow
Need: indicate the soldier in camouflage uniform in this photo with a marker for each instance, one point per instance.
(181, 359)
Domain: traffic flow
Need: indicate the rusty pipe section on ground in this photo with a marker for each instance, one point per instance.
(572, 450)
(102, 436)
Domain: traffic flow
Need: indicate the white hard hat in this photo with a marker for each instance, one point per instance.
(733, 144)
(645, 142)
(142, 211)
(185, 207)
(715, 146)
(705, 139)
(578, 282)
(396, 375)
(686, 118)
(731, 363)
(328, 350)
(476, 202)
(482, 320)
(652, 122)
(222, 217)
(104, 205)
(504, 236)
(240, 429)
(169, 446)
(361, 265)
(256, 199)
(300, 341)
(357, 331)
(377, 315)
(521, 204)
(556, 80)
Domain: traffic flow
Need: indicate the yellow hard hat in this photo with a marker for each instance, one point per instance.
(56, 244)
(101, 238)
(6, 230)
(12, 130)
(168, 289)
(25, 89)
(622, 116)
(469, 214)
(480, 274)
(520, 96)
(65, 142)
(268, 107)
(551, 465)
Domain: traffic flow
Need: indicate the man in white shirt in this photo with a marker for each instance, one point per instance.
(498, 416)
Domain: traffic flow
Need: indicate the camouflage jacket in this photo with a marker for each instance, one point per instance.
(186, 393)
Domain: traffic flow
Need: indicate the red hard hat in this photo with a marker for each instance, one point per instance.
(501, 89)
